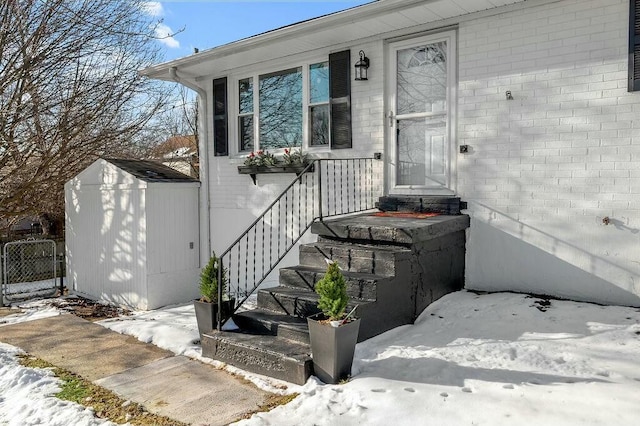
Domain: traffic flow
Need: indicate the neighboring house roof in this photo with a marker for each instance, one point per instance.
(150, 171)
(336, 29)
(176, 147)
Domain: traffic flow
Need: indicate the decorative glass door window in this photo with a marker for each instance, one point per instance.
(421, 116)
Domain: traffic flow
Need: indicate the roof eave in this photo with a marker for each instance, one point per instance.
(163, 71)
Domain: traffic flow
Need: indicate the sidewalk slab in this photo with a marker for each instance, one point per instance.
(80, 346)
(185, 389)
(174, 386)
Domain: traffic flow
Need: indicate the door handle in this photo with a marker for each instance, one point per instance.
(391, 118)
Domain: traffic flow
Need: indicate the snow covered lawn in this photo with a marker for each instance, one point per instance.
(499, 359)
(26, 396)
(494, 359)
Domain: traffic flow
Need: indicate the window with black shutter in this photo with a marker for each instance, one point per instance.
(220, 117)
(634, 45)
(273, 116)
(340, 99)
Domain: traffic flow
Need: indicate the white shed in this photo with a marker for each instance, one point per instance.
(132, 234)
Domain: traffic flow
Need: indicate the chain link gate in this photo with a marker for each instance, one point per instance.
(29, 269)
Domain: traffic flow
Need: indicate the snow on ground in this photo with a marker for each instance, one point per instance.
(29, 311)
(494, 359)
(498, 359)
(26, 396)
(34, 309)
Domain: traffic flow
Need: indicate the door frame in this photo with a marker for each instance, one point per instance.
(390, 123)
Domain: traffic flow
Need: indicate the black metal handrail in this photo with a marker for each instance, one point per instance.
(324, 188)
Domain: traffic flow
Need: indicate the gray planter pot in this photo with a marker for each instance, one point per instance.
(207, 314)
(332, 349)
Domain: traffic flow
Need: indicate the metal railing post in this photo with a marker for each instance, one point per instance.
(320, 190)
(220, 284)
(61, 264)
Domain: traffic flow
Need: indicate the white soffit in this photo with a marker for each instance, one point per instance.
(369, 20)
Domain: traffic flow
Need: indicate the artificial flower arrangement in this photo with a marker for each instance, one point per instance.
(261, 158)
(291, 157)
(294, 157)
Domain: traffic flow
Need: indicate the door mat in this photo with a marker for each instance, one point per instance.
(406, 215)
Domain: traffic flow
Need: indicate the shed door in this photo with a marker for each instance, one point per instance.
(420, 115)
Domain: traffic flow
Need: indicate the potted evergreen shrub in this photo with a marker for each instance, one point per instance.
(333, 334)
(207, 306)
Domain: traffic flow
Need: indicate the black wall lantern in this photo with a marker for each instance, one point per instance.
(361, 67)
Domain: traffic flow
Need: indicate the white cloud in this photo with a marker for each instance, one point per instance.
(163, 33)
(153, 8)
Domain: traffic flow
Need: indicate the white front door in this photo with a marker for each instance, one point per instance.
(420, 117)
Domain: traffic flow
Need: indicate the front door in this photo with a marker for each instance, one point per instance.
(420, 101)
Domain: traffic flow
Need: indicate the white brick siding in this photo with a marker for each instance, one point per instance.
(543, 169)
(548, 166)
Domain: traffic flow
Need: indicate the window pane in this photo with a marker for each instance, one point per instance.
(281, 109)
(319, 83)
(319, 124)
(422, 79)
(422, 152)
(246, 132)
(246, 95)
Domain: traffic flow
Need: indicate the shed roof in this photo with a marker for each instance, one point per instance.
(150, 171)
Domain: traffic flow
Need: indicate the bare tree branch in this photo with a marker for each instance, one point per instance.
(69, 93)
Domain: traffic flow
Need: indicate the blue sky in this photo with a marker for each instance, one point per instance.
(211, 23)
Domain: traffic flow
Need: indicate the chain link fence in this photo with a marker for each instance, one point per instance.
(29, 269)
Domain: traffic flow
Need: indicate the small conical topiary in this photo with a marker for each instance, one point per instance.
(332, 289)
(209, 280)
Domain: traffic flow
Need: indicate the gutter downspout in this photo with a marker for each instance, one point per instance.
(205, 201)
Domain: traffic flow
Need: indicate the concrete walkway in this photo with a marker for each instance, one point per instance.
(174, 386)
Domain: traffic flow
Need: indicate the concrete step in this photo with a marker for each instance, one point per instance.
(262, 321)
(379, 259)
(359, 285)
(292, 301)
(419, 204)
(303, 303)
(367, 228)
(269, 355)
(296, 301)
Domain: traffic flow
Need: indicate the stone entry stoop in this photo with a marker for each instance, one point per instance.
(420, 204)
(395, 267)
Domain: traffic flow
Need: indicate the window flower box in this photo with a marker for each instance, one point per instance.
(254, 170)
(294, 161)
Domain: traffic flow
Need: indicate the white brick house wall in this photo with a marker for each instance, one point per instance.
(543, 170)
(547, 167)
(236, 202)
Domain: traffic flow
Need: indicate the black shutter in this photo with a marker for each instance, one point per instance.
(220, 114)
(634, 45)
(340, 99)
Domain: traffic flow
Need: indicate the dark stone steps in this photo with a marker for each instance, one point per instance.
(394, 267)
(359, 285)
(402, 231)
(420, 204)
(361, 258)
(269, 355)
(296, 301)
(277, 324)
